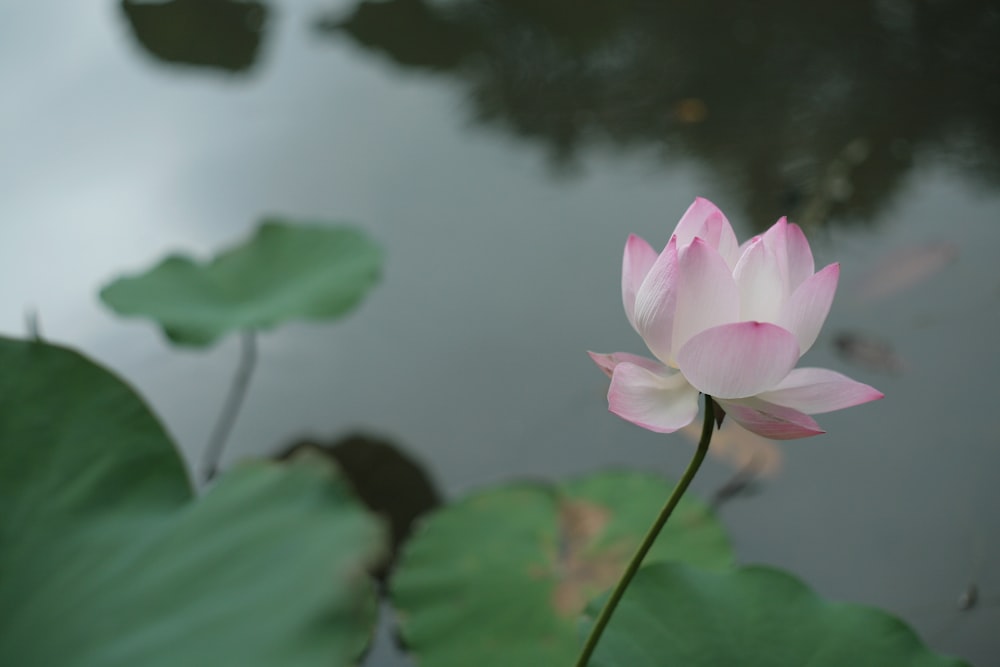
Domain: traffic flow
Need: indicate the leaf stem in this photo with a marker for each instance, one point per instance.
(234, 400)
(654, 530)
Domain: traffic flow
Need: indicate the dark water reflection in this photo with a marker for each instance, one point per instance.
(875, 123)
(816, 111)
(206, 33)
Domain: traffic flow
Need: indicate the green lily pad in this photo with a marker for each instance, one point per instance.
(675, 614)
(500, 578)
(285, 272)
(107, 560)
(388, 480)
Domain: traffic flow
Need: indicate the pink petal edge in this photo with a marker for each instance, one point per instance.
(705, 220)
(638, 257)
(692, 223)
(806, 309)
(656, 303)
(776, 240)
(607, 362)
(800, 257)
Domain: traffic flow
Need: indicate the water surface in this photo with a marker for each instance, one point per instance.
(501, 152)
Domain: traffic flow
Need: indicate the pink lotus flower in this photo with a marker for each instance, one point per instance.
(729, 321)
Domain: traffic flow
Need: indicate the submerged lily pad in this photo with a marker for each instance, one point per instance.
(285, 272)
(675, 614)
(500, 578)
(109, 561)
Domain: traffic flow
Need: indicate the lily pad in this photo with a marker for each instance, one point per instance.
(387, 479)
(108, 560)
(285, 272)
(675, 614)
(500, 578)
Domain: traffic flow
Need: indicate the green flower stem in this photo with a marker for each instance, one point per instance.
(231, 408)
(616, 595)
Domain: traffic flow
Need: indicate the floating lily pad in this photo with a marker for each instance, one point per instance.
(675, 614)
(500, 578)
(285, 272)
(109, 561)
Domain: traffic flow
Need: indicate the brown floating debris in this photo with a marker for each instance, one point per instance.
(577, 570)
(690, 110)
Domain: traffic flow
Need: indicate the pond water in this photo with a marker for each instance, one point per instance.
(501, 152)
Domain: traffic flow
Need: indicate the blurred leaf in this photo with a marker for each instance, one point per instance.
(500, 578)
(108, 561)
(384, 477)
(73, 435)
(675, 614)
(284, 272)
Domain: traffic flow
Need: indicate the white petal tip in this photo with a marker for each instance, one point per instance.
(604, 361)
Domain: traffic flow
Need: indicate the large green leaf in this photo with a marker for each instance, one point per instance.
(387, 479)
(107, 560)
(500, 578)
(73, 435)
(284, 272)
(674, 614)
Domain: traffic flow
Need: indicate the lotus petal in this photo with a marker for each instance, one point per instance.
(656, 301)
(704, 220)
(707, 295)
(818, 390)
(639, 257)
(806, 309)
(800, 257)
(738, 360)
(607, 362)
(692, 223)
(656, 401)
(763, 289)
(771, 421)
(776, 239)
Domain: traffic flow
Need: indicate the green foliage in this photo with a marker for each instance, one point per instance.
(500, 578)
(284, 272)
(675, 614)
(106, 559)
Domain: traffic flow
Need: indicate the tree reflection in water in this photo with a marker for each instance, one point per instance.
(817, 110)
(220, 34)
